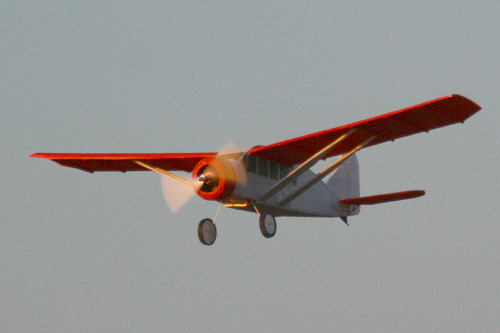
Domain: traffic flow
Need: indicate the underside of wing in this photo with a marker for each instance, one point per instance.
(388, 127)
(126, 162)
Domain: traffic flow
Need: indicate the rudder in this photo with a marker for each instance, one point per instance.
(344, 181)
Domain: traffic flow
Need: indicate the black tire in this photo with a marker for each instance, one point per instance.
(207, 232)
(267, 224)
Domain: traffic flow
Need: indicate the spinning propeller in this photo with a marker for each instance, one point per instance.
(213, 179)
(177, 193)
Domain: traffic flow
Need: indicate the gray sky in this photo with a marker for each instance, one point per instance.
(82, 252)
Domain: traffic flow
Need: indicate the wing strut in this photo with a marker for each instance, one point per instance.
(325, 172)
(163, 172)
(304, 167)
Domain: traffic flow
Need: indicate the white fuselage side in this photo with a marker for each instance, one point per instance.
(319, 200)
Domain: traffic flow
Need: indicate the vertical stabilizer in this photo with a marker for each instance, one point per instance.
(344, 181)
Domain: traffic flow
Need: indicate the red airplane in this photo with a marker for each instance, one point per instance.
(276, 180)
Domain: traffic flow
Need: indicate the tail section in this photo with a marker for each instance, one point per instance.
(344, 181)
(382, 198)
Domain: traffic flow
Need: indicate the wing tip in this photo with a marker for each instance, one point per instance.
(468, 102)
(49, 156)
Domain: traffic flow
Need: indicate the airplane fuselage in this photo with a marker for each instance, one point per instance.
(319, 201)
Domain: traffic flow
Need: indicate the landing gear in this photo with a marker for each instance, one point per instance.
(267, 224)
(207, 232)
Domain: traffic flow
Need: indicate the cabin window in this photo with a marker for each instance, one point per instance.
(262, 167)
(284, 170)
(251, 163)
(274, 170)
(266, 168)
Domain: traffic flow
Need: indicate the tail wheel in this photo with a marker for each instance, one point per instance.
(207, 232)
(267, 224)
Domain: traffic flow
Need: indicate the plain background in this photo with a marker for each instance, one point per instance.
(95, 253)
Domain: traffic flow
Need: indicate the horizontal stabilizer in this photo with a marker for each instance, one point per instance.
(382, 198)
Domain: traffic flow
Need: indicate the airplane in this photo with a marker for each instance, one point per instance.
(276, 180)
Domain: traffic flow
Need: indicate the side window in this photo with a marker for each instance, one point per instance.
(273, 170)
(266, 168)
(284, 170)
(262, 167)
(251, 163)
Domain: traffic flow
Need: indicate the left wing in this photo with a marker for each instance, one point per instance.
(126, 162)
(424, 117)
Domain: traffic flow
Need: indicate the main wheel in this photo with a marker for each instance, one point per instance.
(267, 224)
(207, 233)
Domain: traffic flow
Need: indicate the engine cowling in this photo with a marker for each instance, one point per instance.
(218, 177)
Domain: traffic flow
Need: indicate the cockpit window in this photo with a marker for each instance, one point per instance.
(274, 170)
(266, 168)
(284, 170)
(251, 162)
(262, 167)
